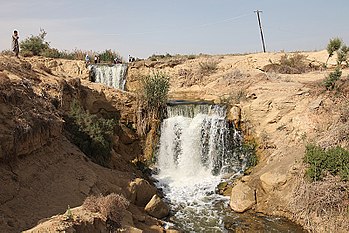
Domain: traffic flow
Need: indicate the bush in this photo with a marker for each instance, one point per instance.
(108, 56)
(91, 134)
(51, 53)
(208, 66)
(111, 207)
(331, 79)
(333, 160)
(294, 64)
(34, 45)
(155, 89)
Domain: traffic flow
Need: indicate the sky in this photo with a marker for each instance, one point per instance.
(144, 27)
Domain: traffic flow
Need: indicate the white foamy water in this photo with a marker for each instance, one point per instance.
(194, 151)
(110, 75)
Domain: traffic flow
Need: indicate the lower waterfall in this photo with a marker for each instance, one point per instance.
(196, 148)
(110, 75)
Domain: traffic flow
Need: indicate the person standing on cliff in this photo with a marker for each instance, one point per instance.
(15, 45)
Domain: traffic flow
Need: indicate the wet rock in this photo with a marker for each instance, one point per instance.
(224, 188)
(242, 197)
(141, 192)
(157, 207)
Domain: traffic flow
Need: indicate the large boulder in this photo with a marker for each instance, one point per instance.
(157, 207)
(242, 197)
(271, 181)
(141, 192)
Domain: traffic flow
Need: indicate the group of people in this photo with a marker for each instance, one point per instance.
(97, 59)
(15, 49)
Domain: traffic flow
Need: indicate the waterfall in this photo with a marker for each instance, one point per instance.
(196, 148)
(110, 75)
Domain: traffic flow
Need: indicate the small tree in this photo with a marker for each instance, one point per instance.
(333, 46)
(34, 45)
(342, 55)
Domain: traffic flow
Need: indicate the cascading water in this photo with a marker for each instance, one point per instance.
(110, 75)
(196, 148)
(194, 151)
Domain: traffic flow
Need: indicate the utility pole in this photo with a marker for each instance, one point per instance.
(260, 28)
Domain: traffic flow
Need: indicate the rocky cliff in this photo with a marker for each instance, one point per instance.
(42, 173)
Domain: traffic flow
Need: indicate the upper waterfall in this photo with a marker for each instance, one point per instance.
(110, 75)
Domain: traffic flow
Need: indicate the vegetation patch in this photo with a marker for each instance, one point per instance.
(208, 66)
(334, 161)
(290, 64)
(327, 199)
(111, 207)
(93, 135)
(152, 100)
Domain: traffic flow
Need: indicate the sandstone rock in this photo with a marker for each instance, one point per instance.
(141, 192)
(316, 104)
(157, 208)
(172, 231)
(132, 230)
(271, 180)
(242, 197)
(234, 115)
(245, 178)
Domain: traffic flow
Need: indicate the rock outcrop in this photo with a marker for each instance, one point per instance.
(141, 192)
(242, 197)
(157, 207)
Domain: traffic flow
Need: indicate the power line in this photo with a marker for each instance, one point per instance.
(260, 28)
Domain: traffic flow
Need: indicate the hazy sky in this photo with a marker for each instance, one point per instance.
(145, 27)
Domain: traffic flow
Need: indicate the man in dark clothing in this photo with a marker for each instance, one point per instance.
(15, 45)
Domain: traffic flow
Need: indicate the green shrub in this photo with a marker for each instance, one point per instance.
(331, 79)
(91, 134)
(155, 89)
(34, 45)
(108, 55)
(333, 160)
(51, 53)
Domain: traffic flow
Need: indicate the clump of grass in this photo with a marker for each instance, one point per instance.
(208, 66)
(111, 207)
(289, 64)
(93, 135)
(334, 161)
